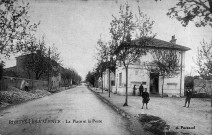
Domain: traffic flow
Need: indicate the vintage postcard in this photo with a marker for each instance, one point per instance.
(105, 67)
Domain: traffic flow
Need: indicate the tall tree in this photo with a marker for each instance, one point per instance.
(1, 69)
(104, 51)
(101, 67)
(55, 54)
(70, 75)
(165, 62)
(41, 61)
(204, 62)
(36, 61)
(1, 73)
(90, 77)
(199, 11)
(123, 29)
(14, 26)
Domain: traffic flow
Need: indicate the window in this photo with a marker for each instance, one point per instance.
(137, 62)
(143, 83)
(112, 82)
(171, 83)
(120, 79)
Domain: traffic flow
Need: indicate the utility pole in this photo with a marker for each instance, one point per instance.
(49, 69)
(109, 61)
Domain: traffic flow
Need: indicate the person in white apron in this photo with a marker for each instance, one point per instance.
(22, 84)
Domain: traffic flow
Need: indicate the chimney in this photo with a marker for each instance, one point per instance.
(173, 40)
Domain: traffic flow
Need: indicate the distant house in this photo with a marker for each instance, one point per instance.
(20, 71)
(137, 74)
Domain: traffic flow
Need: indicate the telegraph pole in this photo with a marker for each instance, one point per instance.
(49, 69)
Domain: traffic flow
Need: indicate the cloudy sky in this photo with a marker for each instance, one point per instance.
(74, 26)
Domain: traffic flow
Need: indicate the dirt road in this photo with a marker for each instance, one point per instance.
(72, 112)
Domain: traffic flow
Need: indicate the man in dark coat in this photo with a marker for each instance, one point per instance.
(145, 96)
(141, 89)
(188, 97)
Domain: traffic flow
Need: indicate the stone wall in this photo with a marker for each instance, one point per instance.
(16, 82)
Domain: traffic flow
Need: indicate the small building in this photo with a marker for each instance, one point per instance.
(20, 71)
(137, 73)
(106, 80)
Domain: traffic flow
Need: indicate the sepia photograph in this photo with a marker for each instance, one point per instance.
(105, 67)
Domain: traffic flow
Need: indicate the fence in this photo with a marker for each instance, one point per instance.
(6, 81)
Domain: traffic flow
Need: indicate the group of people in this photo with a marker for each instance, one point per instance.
(145, 96)
(143, 93)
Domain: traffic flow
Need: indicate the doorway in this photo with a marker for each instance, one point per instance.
(154, 81)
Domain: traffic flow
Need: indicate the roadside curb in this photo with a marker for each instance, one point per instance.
(135, 126)
(117, 109)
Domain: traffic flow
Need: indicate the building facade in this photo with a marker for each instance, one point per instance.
(19, 71)
(138, 74)
(106, 80)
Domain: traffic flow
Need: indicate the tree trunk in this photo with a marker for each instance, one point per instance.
(109, 83)
(210, 4)
(126, 102)
(211, 99)
(162, 86)
(1, 83)
(32, 83)
(38, 76)
(102, 82)
(32, 71)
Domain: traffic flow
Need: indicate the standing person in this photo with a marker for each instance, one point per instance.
(26, 86)
(188, 97)
(145, 96)
(141, 89)
(134, 89)
(22, 87)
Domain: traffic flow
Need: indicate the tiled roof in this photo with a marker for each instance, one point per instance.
(151, 43)
(157, 43)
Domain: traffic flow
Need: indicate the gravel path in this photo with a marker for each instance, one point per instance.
(172, 111)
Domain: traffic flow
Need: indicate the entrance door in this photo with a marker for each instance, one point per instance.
(154, 81)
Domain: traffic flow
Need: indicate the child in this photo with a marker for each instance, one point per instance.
(145, 96)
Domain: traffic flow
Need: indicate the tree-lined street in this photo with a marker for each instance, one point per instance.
(65, 113)
(76, 55)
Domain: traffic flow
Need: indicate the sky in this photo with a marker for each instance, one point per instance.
(74, 27)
